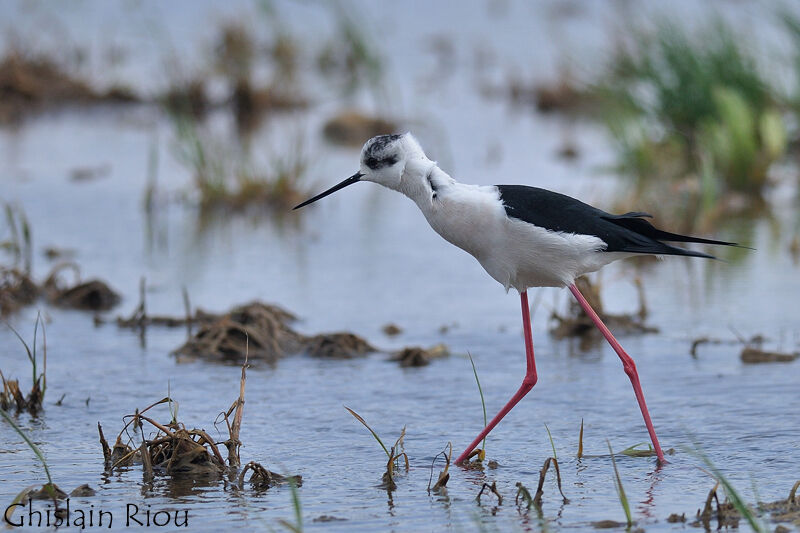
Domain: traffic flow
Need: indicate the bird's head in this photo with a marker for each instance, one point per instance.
(383, 160)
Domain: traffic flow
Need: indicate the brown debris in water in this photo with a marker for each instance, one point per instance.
(353, 128)
(29, 82)
(787, 510)
(92, 295)
(391, 330)
(576, 323)
(49, 491)
(444, 475)
(753, 355)
(537, 499)
(172, 449)
(726, 514)
(608, 524)
(83, 491)
(262, 332)
(258, 329)
(474, 460)
(417, 356)
(491, 488)
(341, 345)
(17, 290)
(262, 479)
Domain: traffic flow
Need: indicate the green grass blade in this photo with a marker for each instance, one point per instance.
(552, 444)
(30, 444)
(480, 391)
(623, 499)
(377, 438)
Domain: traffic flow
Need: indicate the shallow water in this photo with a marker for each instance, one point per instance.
(364, 258)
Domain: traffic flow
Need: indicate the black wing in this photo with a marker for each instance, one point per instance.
(622, 233)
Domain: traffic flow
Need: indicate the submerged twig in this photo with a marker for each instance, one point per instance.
(493, 489)
(537, 499)
(444, 475)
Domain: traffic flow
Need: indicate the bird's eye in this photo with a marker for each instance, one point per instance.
(374, 163)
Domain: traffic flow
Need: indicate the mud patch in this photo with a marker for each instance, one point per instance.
(260, 330)
(91, 295)
(416, 356)
(752, 355)
(31, 82)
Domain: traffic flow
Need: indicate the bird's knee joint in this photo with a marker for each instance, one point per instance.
(629, 368)
(529, 382)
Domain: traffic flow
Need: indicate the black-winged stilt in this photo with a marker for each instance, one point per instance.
(523, 236)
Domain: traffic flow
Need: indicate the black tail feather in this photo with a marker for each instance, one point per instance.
(643, 227)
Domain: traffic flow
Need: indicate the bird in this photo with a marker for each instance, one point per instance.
(524, 237)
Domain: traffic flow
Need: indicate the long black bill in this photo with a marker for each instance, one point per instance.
(349, 181)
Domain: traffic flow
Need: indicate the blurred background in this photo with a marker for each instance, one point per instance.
(151, 152)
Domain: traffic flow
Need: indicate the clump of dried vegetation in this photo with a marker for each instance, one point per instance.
(90, 295)
(17, 287)
(172, 449)
(411, 356)
(31, 82)
(753, 350)
(262, 331)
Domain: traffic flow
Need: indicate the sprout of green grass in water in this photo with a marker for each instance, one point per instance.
(39, 380)
(580, 441)
(50, 487)
(394, 455)
(375, 435)
(552, 444)
(623, 499)
(482, 453)
(633, 451)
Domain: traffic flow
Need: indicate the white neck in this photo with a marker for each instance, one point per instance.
(419, 179)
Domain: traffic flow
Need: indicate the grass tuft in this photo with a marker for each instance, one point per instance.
(11, 393)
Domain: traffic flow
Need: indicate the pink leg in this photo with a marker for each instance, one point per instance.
(627, 364)
(527, 383)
